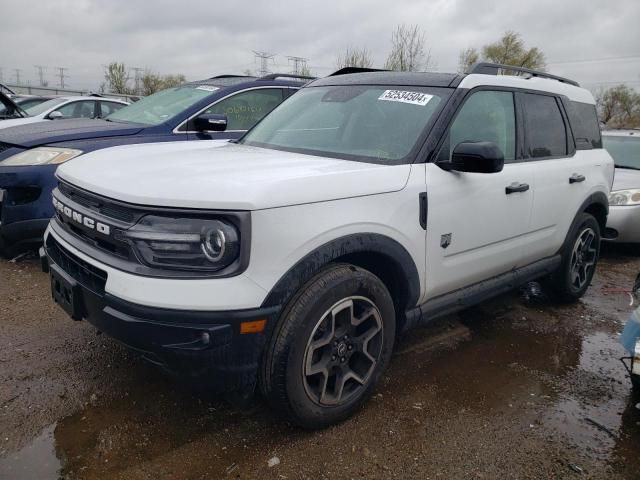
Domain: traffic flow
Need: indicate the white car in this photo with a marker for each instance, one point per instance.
(623, 224)
(364, 205)
(67, 107)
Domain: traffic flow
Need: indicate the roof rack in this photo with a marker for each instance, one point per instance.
(229, 76)
(273, 76)
(495, 68)
(349, 70)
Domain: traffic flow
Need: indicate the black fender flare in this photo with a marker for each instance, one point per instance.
(356, 249)
(596, 204)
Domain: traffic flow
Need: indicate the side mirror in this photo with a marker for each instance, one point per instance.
(475, 157)
(210, 122)
(55, 115)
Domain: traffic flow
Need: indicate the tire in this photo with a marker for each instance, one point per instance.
(579, 260)
(333, 322)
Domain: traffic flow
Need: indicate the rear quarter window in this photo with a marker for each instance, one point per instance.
(585, 125)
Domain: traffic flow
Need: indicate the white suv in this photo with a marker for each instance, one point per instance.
(365, 205)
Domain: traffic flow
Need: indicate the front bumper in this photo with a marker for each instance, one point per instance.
(623, 224)
(204, 346)
(25, 203)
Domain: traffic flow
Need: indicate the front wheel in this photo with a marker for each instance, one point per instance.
(579, 260)
(330, 348)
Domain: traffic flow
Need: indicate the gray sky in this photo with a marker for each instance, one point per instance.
(594, 42)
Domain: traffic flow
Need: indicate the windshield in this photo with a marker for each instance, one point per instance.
(355, 122)
(624, 150)
(162, 106)
(44, 106)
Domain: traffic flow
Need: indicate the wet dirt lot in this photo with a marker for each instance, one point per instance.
(516, 388)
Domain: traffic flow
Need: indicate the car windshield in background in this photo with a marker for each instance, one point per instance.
(162, 106)
(624, 150)
(44, 106)
(355, 122)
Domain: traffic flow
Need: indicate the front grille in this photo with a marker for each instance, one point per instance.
(82, 272)
(97, 204)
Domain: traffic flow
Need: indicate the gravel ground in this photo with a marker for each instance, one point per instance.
(516, 388)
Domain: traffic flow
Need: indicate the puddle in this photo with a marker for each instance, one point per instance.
(35, 461)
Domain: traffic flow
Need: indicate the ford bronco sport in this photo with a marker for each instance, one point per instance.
(365, 205)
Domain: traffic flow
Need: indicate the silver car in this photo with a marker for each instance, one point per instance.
(623, 224)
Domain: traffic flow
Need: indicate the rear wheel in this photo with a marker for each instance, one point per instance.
(330, 347)
(579, 260)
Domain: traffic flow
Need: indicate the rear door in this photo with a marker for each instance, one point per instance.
(561, 172)
(477, 223)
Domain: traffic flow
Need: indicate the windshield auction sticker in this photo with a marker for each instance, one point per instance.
(415, 98)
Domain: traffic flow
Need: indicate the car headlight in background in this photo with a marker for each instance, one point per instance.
(625, 197)
(191, 244)
(41, 156)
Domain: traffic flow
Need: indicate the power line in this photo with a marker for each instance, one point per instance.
(589, 60)
(41, 69)
(61, 75)
(264, 57)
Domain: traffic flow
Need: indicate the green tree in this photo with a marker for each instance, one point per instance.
(508, 50)
(153, 82)
(408, 50)
(619, 107)
(354, 57)
(117, 78)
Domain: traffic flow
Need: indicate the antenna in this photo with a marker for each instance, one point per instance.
(299, 64)
(41, 69)
(264, 58)
(61, 75)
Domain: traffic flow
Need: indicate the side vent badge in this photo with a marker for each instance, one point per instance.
(445, 240)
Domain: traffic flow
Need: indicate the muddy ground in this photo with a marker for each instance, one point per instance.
(516, 388)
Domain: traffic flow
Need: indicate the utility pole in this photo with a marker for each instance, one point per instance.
(298, 64)
(18, 73)
(264, 58)
(41, 69)
(137, 77)
(61, 75)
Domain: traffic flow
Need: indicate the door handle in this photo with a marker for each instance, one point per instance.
(516, 187)
(575, 178)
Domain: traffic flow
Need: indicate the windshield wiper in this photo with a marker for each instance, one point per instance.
(629, 167)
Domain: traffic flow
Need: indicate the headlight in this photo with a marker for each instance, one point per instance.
(625, 197)
(188, 244)
(41, 156)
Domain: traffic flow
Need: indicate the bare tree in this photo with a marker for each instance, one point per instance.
(467, 59)
(408, 52)
(510, 50)
(354, 57)
(305, 71)
(153, 82)
(619, 106)
(117, 78)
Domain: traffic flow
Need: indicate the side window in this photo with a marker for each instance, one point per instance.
(107, 108)
(486, 116)
(546, 132)
(245, 109)
(584, 122)
(82, 109)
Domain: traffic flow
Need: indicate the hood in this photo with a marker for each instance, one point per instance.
(9, 105)
(625, 179)
(225, 176)
(54, 131)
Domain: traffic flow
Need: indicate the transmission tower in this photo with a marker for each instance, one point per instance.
(1, 76)
(61, 75)
(41, 69)
(137, 77)
(18, 73)
(298, 64)
(264, 58)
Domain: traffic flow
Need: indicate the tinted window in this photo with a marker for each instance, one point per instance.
(584, 122)
(246, 109)
(84, 109)
(625, 150)
(368, 123)
(546, 133)
(107, 108)
(485, 117)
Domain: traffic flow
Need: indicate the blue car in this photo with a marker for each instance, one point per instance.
(222, 107)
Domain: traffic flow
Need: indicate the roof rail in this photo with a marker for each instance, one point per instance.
(273, 76)
(495, 68)
(230, 76)
(349, 70)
